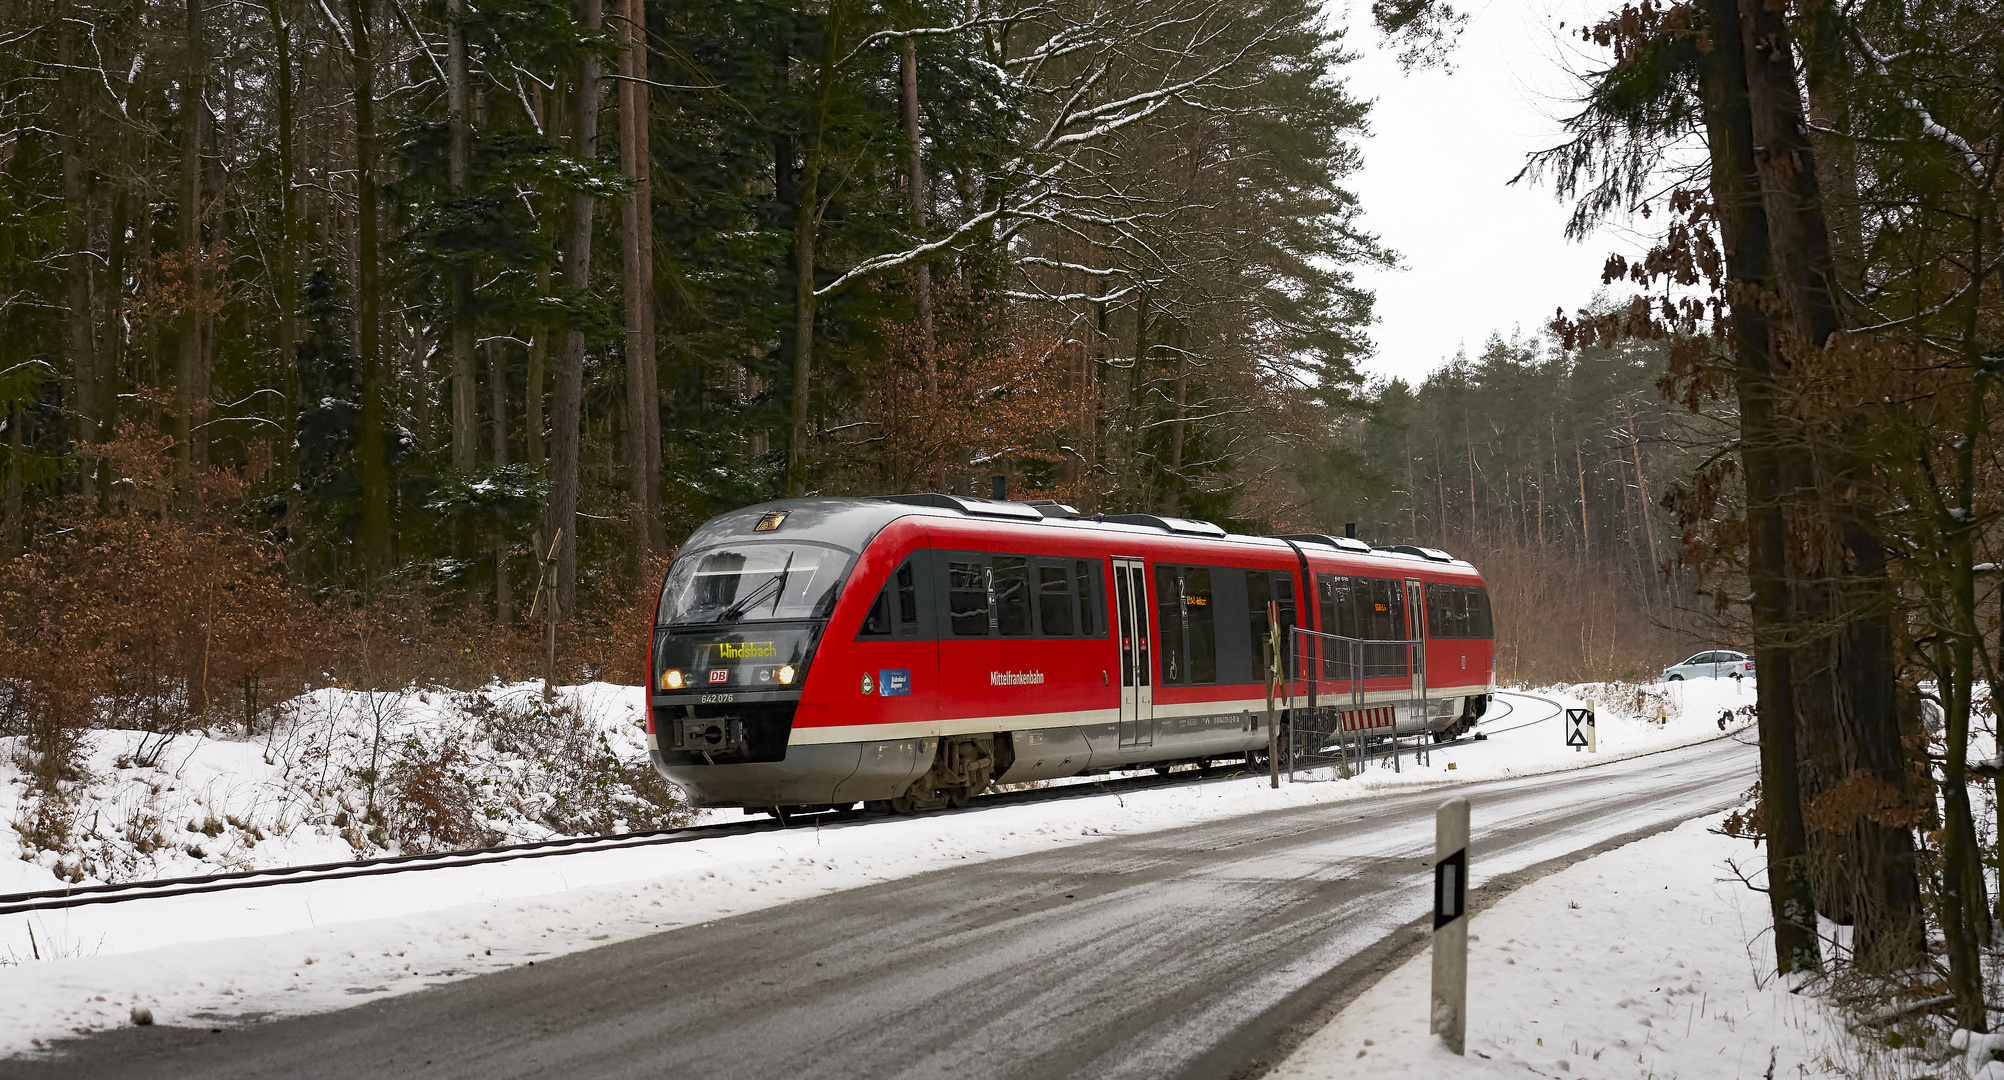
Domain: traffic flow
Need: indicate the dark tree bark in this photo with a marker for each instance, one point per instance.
(922, 273)
(188, 426)
(497, 411)
(465, 394)
(1863, 867)
(567, 405)
(76, 240)
(372, 449)
(285, 261)
(1743, 225)
(643, 394)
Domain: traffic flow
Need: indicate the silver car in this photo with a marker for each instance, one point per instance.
(1718, 664)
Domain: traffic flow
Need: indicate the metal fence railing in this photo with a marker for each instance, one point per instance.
(1332, 721)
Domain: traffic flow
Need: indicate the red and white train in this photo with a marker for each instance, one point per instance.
(912, 650)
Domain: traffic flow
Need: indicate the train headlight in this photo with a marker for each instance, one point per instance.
(786, 675)
(671, 680)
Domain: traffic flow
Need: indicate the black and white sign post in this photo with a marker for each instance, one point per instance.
(1450, 923)
(1580, 730)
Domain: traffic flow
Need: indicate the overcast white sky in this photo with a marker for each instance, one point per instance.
(1479, 255)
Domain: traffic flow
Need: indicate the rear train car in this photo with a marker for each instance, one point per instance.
(914, 650)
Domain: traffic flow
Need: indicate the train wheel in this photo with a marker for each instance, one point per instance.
(1163, 770)
(904, 805)
(959, 797)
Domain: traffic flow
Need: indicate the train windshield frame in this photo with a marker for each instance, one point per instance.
(774, 581)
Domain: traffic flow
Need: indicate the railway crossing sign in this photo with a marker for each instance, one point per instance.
(1580, 730)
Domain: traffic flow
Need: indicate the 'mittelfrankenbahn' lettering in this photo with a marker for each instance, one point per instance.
(1015, 678)
(747, 650)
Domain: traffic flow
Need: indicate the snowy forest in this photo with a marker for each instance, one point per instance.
(331, 333)
(325, 326)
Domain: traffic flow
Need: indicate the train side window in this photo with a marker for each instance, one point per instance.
(1171, 624)
(906, 584)
(1335, 595)
(967, 598)
(1090, 593)
(1259, 593)
(877, 623)
(1482, 623)
(1012, 596)
(1054, 601)
(895, 610)
(1200, 619)
(1122, 601)
(1383, 611)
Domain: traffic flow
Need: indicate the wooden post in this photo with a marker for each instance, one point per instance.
(546, 596)
(1450, 924)
(1272, 677)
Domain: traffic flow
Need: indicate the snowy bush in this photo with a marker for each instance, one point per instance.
(339, 774)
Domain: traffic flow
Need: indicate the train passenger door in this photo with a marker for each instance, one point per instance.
(1416, 628)
(1137, 701)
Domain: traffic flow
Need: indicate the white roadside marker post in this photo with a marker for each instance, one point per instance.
(1450, 924)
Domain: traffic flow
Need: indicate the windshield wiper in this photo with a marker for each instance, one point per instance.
(731, 613)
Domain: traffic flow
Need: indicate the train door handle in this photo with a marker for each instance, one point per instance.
(1102, 678)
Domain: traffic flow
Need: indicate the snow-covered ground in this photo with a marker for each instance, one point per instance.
(322, 945)
(1646, 962)
(440, 770)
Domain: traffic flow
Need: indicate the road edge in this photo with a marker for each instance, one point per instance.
(1261, 1045)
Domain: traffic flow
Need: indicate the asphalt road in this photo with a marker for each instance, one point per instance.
(1202, 952)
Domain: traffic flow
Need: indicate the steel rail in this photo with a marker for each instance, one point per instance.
(165, 888)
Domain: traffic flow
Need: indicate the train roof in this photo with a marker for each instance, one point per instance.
(853, 522)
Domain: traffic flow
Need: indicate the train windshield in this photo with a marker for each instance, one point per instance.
(753, 583)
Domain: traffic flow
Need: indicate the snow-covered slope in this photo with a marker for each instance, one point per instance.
(339, 775)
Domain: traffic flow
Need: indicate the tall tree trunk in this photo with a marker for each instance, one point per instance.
(805, 222)
(535, 385)
(1799, 238)
(567, 405)
(372, 447)
(809, 205)
(285, 261)
(1863, 868)
(1743, 225)
(1965, 916)
(1172, 496)
(922, 273)
(76, 240)
(187, 425)
(1586, 527)
(112, 358)
(459, 153)
(13, 507)
(643, 394)
(497, 411)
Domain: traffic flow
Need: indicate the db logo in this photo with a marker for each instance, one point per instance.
(720, 675)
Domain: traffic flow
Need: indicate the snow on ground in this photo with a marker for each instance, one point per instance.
(316, 946)
(1649, 961)
(450, 770)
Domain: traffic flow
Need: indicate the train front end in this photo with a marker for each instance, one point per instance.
(741, 617)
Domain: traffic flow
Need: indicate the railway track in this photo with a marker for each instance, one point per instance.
(164, 888)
